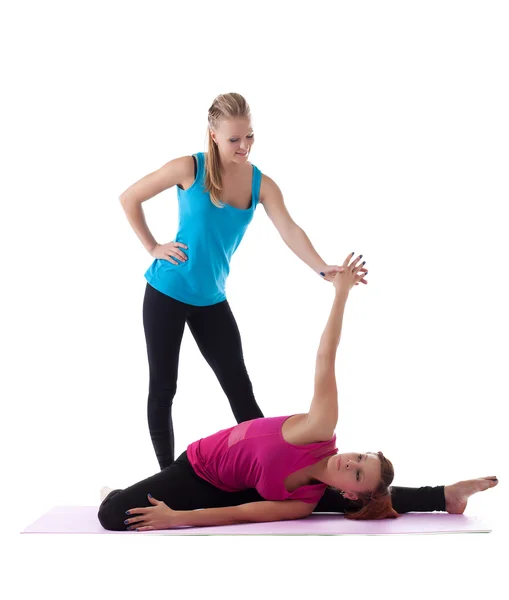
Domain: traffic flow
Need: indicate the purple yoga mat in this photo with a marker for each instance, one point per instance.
(83, 519)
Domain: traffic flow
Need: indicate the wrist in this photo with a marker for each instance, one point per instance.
(177, 518)
(342, 294)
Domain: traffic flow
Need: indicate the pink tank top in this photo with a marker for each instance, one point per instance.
(254, 454)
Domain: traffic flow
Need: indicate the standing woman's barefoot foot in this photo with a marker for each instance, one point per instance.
(457, 495)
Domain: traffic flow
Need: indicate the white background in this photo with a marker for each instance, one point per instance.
(385, 124)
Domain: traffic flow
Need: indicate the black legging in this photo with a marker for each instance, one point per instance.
(181, 489)
(218, 338)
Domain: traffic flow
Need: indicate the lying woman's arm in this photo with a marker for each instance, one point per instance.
(323, 413)
(254, 512)
(161, 516)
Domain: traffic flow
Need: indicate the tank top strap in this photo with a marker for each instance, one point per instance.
(200, 166)
(257, 182)
(319, 451)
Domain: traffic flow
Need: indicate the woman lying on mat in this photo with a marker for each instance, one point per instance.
(271, 469)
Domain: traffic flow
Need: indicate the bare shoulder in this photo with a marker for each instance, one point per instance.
(299, 430)
(179, 171)
(268, 188)
(182, 166)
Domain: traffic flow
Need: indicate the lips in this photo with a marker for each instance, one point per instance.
(339, 462)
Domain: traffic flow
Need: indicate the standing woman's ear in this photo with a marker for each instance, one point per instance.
(213, 136)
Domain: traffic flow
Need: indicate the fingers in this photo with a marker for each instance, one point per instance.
(171, 252)
(137, 511)
(136, 521)
(176, 252)
(359, 277)
(136, 525)
(142, 516)
(354, 266)
(142, 520)
(141, 523)
(348, 259)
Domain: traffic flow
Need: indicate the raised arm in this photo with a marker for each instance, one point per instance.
(323, 413)
(178, 171)
(160, 516)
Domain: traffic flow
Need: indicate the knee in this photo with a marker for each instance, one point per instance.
(111, 516)
(236, 375)
(161, 394)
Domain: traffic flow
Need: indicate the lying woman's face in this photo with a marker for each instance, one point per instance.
(354, 472)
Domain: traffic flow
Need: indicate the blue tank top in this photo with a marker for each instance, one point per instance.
(212, 235)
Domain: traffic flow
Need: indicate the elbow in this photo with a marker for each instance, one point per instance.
(127, 202)
(327, 354)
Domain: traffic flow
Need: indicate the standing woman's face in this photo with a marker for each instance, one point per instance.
(234, 138)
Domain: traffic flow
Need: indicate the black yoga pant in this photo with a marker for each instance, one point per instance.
(181, 489)
(215, 330)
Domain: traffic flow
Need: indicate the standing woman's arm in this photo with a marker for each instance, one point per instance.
(294, 236)
(178, 171)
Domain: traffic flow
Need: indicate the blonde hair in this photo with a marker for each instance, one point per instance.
(225, 106)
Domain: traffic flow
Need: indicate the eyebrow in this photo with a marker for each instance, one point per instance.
(363, 476)
(235, 135)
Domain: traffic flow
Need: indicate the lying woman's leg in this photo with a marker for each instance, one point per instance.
(178, 486)
(424, 499)
(451, 498)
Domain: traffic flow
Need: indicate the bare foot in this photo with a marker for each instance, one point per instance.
(457, 495)
(106, 490)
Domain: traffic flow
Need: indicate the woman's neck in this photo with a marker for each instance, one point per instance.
(318, 471)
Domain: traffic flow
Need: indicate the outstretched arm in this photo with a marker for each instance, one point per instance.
(293, 236)
(160, 516)
(323, 413)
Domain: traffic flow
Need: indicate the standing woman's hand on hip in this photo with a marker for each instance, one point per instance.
(169, 252)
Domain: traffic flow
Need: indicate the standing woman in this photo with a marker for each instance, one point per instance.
(218, 193)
